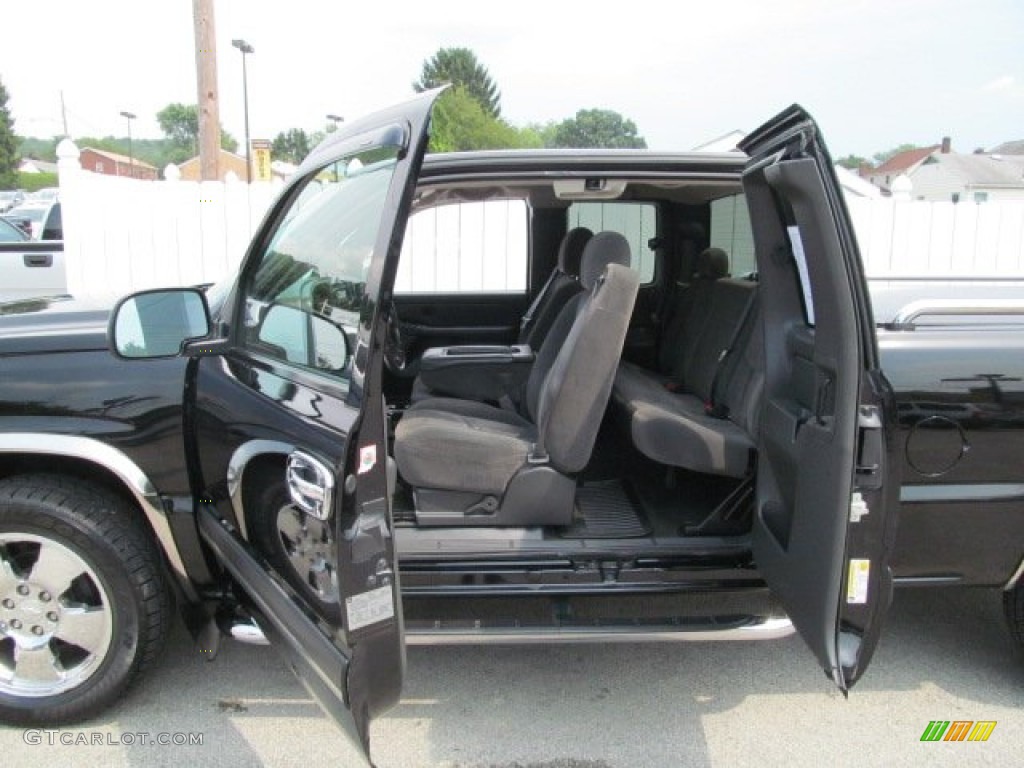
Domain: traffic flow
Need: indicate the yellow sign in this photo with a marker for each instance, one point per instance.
(260, 160)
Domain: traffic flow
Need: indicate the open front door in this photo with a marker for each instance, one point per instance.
(826, 494)
(290, 424)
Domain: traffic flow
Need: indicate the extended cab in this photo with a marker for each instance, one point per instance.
(497, 397)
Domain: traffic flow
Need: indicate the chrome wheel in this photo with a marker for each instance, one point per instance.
(55, 617)
(309, 547)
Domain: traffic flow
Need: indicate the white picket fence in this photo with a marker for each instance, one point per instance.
(123, 234)
(904, 238)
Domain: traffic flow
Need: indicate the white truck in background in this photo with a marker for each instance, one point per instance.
(31, 269)
(35, 267)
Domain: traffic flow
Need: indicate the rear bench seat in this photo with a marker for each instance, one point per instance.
(701, 414)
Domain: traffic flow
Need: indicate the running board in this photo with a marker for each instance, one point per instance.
(680, 630)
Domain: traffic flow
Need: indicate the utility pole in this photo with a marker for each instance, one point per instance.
(208, 103)
(64, 115)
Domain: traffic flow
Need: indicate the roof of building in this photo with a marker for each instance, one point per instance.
(983, 170)
(1009, 148)
(902, 162)
(119, 158)
(223, 152)
(41, 166)
(855, 185)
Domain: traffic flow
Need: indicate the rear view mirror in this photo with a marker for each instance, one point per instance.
(156, 323)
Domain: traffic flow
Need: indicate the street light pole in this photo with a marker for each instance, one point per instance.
(336, 119)
(246, 49)
(131, 155)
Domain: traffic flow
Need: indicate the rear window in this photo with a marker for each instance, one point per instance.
(637, 222)
(730, 231)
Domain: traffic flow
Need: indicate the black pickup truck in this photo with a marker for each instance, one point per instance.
(501, 397)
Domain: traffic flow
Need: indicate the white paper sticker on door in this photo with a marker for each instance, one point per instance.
(369, 607)
(367, 458)
(857, 581)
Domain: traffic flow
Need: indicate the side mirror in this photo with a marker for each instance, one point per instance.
(157, 323)
(303, 338)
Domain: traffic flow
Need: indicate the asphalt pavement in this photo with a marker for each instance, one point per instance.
(946, 655)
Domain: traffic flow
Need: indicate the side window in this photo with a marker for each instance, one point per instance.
(477, 247)
(637, 222)
(305, 295)
(730, 231)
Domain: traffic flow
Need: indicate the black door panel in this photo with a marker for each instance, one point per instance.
(448, 320)
(822, 533)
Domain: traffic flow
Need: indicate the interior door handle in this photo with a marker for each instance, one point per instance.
(310, 485)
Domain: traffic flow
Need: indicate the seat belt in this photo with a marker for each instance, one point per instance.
(713, 407)
(532, 309)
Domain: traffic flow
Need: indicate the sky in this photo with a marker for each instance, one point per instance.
(874, 73)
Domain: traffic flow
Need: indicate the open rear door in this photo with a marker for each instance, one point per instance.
(826, 494)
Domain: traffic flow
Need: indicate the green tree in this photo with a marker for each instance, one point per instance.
(459, 123)
(180, 124)
(292, 145)
(853, 162)
(597, 128)
(8, 144)
(39, 149)
(459, 66)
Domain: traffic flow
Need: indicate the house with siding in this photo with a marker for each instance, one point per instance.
(977, 178)
(115, 164)
(903, 163)
(228, 162)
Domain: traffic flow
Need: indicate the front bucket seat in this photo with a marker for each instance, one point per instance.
(470, 463)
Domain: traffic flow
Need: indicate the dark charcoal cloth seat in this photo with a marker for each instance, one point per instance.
(703, 415)
(561, 286)
(466, 446)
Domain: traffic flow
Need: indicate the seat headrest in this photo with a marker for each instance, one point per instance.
(570, 252)
(712, 264)
(602, 249)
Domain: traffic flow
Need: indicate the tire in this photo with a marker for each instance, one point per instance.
(1013, 605)
(84, 603)
(310, 574)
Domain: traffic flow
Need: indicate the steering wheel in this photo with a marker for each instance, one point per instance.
(394, 347)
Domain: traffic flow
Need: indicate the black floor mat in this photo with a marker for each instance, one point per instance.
(608, 513)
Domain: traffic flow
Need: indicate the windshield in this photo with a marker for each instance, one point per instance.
(10, 233)
(26, 213)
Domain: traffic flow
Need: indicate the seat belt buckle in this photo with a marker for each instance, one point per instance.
(718, 411)
(537, 457)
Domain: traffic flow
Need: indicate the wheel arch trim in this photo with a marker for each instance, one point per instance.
(237, 465)
(134, 480)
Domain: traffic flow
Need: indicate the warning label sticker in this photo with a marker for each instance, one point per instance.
(369, 607)
(857, 581)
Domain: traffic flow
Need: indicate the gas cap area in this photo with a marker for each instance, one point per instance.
(935, 445)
